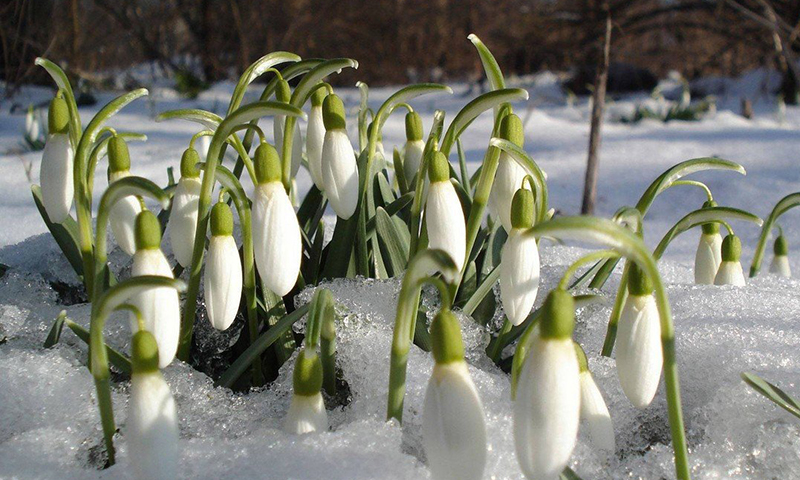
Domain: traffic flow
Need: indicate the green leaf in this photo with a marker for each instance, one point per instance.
(392, 209)
(65, 234)
(256, 70)
(778, 396)
(62, 82)
(315, 75)
(490, 66)
(393, 243)
(483, 289)
(699, 217)
(399, 172)
(404, 95)
(207, 119)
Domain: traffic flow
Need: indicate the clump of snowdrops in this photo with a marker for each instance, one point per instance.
(411, 214)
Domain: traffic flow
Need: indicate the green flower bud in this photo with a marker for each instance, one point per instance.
(522, 209)
(147, 231)
(318, 96)
(731, 248)
(119, 159)
(639, 283)
(710, 228)
(413, 126)
(438, 167)
(511, 129)
(221, 220)
(446, 339)
(558, 316)
(144, 352)
(781, 248)
(58, 115)
(267, 164)
(307, 377)
(283, 93)
(189, 161)
(333, 113)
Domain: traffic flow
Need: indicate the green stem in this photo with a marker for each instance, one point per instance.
(786, 203)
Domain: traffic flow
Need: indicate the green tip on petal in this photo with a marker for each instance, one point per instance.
(731, 248)
(511, 129)
(144, 352)
(318, 96)
(119, 158)
(267, 164)
(438, 167)
(333, 113)
(710, 228)
(446, 339)
(639, 284)
(221, 220)
(307, 377)
(189, 161)
(522, 209)
(558, 316)
(147, 231)
(781, 248)
(413, 127)
(583, 363)
(58, 116)
(283, 93)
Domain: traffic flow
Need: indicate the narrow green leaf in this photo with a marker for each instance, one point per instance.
(772, 392)
(255, 70)
(65, 234)
(393, 243)
(62, 82)
(207, 119)
(315, 75)
(490, 66)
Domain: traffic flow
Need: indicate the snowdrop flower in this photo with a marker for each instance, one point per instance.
(414, 146)
(159, 307)
(339, 168)
(284, 94)
(510, 174)
(730, 269)
(639, 355)
(55, 174)
(315, 137)
(547, 406)
(709, 252)
(444, 216)
(453, 427)
(31, 125)
(780, 262)
(307, 412)
(277, 243)
(519, 261)
(124, 212)
(152, 426)
(593, 408)
(183, 216)
(223, 273)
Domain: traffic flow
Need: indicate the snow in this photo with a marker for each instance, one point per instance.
(49, 426)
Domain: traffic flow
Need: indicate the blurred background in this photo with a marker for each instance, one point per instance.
(199, 42)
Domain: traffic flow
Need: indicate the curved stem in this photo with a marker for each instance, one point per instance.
(786, 203)
(695, 183)
(576, 265)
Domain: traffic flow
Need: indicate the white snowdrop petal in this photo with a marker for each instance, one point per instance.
(183, 219)
(445, 221)
(780, 266)
(277, 243)
(160, 307)
(453, 426)
(519, 275)
(340, 173)
(56, 177)
(122, 219)
(152, 428)
(412, 157)
(707, 258)
(547, 408)
(315, 138)
(639, 355)
(306, 415)
(730, 273)
(595, 413)
(223, 281)
(507, 181)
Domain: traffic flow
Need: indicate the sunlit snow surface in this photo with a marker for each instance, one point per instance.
(49, 427)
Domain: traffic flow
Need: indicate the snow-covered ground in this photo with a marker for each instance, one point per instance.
(48, 419)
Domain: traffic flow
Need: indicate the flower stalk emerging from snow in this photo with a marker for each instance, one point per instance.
(730, 269)
(185, 202)
(123, 214)
(594, 411)
(547, 407)
(510, 174)
(152, 427)
(277, 242)
(519, 264)
(453, 427)
(444, 217)
(709, 252)
(56, 173)
(780, 262)
(413, 148)
(315, 138)
(307, 412)
(339, 169)
(223, 273)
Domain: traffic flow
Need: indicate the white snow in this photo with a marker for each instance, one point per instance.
(49, 426)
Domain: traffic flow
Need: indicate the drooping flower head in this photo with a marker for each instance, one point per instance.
(307, 412)
(730, 269)
(123, 213)
(709, 252)
(780, 260)
(594, 411)
(414, 146)
(510, 174)
(185, 205)
(519, 261)
(223, 272)
(315, 138)
(444, 216)
(339, 168)
(56, 175)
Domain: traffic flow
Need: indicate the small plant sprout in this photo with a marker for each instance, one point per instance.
(453, 426)
(594, 411)
(510, 174)
(223, 273)
(277, 240)
(443, 215)
(183, 216)
(639, 356)
(730, 269)
(709, 252)
(780, 260)
(152, 425)
(124, 212)
(547, 405)
(339, 169)
(307, 412)
(159, 307)
(315, 138)
(284, 94)
(519, 264)
(56, 173)
(414, 146)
